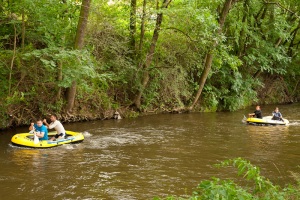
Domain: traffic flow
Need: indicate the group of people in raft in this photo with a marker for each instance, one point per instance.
(41, 130)
(258, 114)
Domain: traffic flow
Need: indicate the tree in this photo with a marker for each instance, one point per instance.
(132, 26)
(79, 42)
(151, 51)
(209, 56)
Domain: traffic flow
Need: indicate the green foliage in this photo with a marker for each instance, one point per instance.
(210, 96)
(256, 58)
(47, 54)
(131, 114)
(258, 187)
(76, 65)
(217, 189)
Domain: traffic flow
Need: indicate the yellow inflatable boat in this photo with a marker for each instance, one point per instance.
(266, 121)
(27, 140)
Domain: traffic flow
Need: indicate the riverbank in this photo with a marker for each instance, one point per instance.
(109, 114)
(81, 116)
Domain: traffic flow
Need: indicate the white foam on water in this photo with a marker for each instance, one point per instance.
(18, 147)
(86, 134)
(112, 137)
(294, 123)
(68, 146)
(115, 139)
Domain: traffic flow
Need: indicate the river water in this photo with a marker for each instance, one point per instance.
(157, 155)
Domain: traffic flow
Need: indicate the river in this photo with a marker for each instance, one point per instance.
(156, 155)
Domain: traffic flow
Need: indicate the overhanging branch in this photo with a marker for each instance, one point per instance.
(284, 8)
(176, 29)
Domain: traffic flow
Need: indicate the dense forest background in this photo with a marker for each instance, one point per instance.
(85, 59)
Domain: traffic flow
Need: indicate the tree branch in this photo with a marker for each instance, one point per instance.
(187, 35)
(281, 6)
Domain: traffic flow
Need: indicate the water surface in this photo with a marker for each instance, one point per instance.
(150, 156)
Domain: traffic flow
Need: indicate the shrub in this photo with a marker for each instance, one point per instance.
(259, 188)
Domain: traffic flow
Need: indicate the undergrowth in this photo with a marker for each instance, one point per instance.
(259, 187)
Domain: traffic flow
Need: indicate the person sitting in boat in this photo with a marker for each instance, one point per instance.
(277, 115)
(61, 133)
(40, 130)
(257, 113)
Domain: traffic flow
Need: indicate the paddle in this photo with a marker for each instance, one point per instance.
(244, 120)
(35, 138)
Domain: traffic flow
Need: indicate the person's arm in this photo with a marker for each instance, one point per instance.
(40, 134)
(46, 123)
(251, 114)
(52, 125)
(31, 126)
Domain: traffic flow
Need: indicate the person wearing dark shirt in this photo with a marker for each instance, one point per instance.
(277, 115)
(257, 113)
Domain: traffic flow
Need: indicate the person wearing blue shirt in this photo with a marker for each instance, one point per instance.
(277, 115)
(40, 129)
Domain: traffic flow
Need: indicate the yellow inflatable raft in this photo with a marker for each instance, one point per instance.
(27, 140)
(266, 121)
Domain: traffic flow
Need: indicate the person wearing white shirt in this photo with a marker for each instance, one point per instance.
(61, 132)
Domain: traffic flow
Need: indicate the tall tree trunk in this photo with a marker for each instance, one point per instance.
(142, 36)
(79, 41)
(82, 23)
(209, 57)
(59, 78)
(12, 60)
(150, 54)
(23, 29)
(142, 26)
(242, 38)
(132, 26)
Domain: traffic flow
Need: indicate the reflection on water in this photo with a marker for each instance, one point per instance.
(149, 156)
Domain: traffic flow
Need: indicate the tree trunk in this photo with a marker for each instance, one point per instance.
(142, 26)
(132, 26)
(59, 78)
(71, 93)
(23, 29)
(150, 54)
(203, 77)
(82, 23)
(242, 39)
(12, 60)
(79, 41)
(209, 56)
(295, 89)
